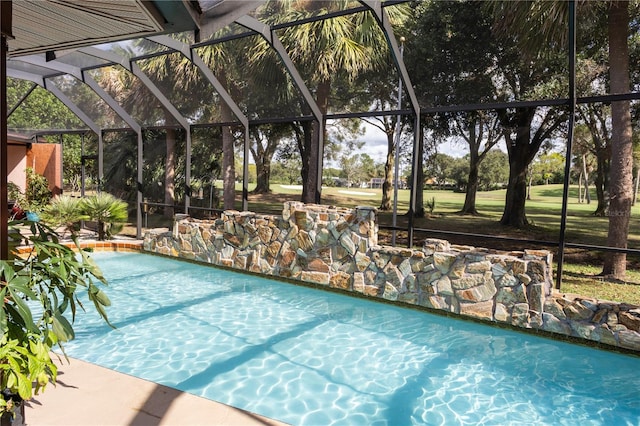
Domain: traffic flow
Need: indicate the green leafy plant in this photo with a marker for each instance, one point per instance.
(66, 211)
(13, 192)
(39, 296)
(109, 212)
(17, 200)
(37, 194)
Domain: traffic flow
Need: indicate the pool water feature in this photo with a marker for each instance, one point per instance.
(310, 357)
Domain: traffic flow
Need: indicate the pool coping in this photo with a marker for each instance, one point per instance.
(109, 245)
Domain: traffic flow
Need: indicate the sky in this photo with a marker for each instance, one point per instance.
(376, 145)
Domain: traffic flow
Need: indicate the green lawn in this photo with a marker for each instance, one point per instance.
(543, 212)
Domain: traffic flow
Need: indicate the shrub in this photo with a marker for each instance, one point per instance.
(17, 199)
(66, 211)
(13, 192)
(37, 194)
(109, 212)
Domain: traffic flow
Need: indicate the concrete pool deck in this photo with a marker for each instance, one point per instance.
(89, 395)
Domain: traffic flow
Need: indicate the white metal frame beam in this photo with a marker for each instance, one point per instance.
(41, 81)
(224, 13)
(383, 20)
(87, 79)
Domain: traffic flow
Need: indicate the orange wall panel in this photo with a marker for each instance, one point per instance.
(46, 160)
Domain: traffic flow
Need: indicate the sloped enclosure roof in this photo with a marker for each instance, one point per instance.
(57, 45)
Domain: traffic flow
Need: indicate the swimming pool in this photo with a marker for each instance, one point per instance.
(309, 357)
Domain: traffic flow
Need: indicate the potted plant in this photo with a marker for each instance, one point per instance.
(39, 296)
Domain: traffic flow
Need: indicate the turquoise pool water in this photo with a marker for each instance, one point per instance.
(309, 357)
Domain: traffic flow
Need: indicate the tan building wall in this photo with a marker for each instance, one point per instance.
(17, 163)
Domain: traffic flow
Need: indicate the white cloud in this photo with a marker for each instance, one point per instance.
(375, 145)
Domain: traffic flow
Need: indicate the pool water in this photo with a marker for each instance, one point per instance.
(310, 357)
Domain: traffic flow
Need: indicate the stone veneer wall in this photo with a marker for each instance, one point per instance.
(337, 247)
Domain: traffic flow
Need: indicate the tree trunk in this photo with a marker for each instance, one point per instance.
(262, 157)
(473, 182)
(587, 195)
(472, 190)
(387, 185)
(580, 193)
(228, 161)
(310, 191)
(521, 152)
(308, 154)
(514, 209)
(474, 140)
(635, 187)
(621, 185)
(601, 181)
(419, 211)
(228, 153)
(263, 174)
(170, 173)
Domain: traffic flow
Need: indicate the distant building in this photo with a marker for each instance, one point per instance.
(376, 182)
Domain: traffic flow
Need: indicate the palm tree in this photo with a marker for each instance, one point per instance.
(543, 17)
(224, 60)
(323, 51)
(109, 213)
(621, 171)
(130, 93)
(168, 72)
(66, 211)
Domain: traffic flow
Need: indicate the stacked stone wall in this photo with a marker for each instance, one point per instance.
(338, 248)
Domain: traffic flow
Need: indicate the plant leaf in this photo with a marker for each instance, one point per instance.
(23, 310)
(62, 328)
